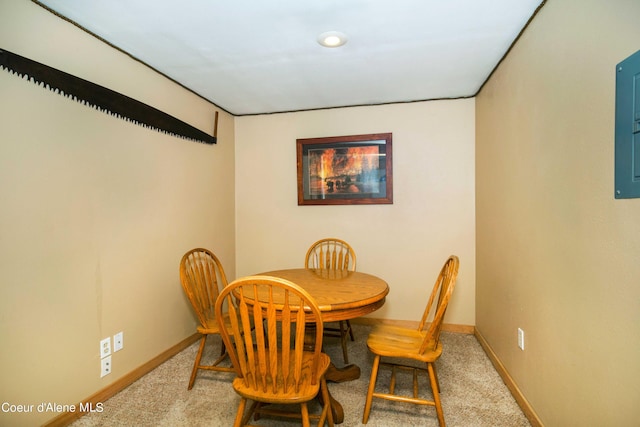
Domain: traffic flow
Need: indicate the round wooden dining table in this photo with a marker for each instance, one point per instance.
(340, 295)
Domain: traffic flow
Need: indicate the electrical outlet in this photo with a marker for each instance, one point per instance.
(521, 339)
(105, 347)
(118, 341)
(105, 366)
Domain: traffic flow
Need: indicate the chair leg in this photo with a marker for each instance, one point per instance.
(435, 374)
(327, 404)
(223, 349)
(323, 416)
(350, 330)
(244, 418)
(372, 386)
(239, 421)
(256, 413)
(305, 414)
(203, 341)
(343, 342)
(436, 393)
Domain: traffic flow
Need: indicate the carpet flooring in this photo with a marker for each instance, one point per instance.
(473, 394)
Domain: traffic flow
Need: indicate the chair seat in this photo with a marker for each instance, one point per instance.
(213, 327)
(396, 341)
(306, 392)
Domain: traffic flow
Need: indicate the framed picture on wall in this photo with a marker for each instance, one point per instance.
(345, 170)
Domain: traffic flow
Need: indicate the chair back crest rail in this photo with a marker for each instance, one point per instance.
(331, 254)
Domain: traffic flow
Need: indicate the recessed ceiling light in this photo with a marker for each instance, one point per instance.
(332, 39)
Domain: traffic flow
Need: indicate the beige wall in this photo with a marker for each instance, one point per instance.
(95, 215)
(557, 255)
(405, 243)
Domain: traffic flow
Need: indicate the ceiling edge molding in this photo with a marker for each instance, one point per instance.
(64, 18)
(533, 15)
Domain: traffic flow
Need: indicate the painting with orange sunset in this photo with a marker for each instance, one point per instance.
(344, 170)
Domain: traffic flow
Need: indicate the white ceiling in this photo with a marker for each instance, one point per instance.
(261, 56)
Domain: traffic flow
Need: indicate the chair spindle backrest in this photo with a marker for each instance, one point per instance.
(270, 357)
(331, 254)
(202, 277)
(440, 295)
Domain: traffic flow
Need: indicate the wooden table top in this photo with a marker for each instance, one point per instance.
(341, 295)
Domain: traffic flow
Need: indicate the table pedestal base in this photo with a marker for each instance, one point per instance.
(335, 375)
(338, 375)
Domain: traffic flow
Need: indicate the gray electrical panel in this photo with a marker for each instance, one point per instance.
(627, 153)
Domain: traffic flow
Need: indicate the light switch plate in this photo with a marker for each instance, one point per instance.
(118, 341)
(105, 347)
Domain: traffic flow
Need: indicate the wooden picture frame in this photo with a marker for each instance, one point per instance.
(345, 170)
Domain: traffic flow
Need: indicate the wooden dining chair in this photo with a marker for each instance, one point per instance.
(334, 254)
(202, 277)
(273, 365)
(421, 344)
